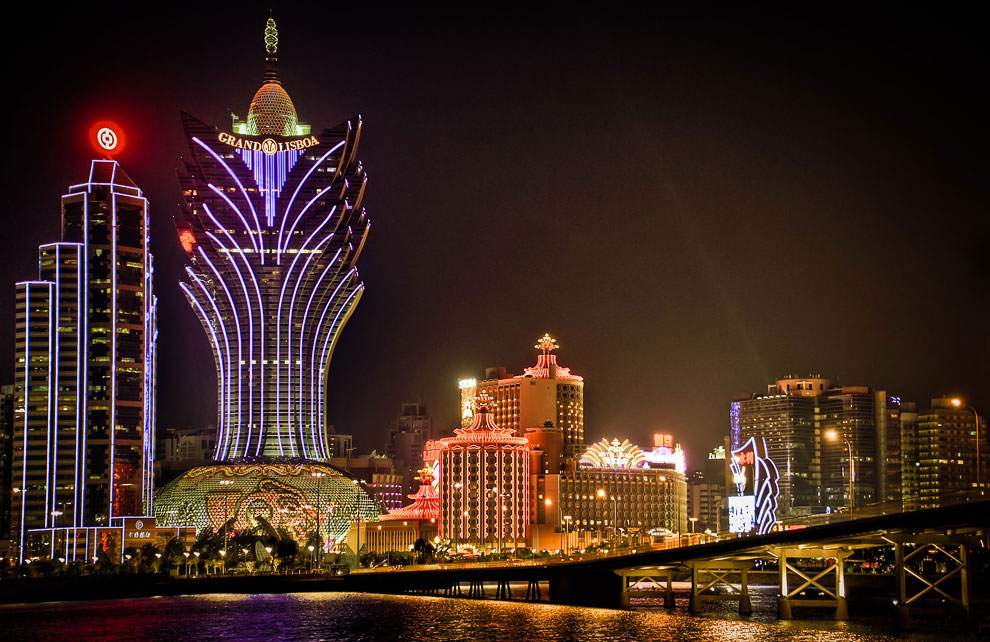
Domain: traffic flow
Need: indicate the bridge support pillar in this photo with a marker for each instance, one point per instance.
(833, 596)
(707, 575)
(645, 582)
(947, 557)
(533, 593)
(503, 592)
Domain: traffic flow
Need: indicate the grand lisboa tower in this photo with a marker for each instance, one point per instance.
(272, 224)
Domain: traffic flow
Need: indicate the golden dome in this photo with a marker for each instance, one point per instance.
(272, 112)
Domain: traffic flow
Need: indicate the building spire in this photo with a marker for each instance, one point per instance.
(271, 49)
(546, 344)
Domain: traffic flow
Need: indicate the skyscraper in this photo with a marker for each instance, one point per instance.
(407, 435)
(84, 382)
(794, 416)
(273, 225)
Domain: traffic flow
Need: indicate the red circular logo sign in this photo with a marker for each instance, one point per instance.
(106, 137)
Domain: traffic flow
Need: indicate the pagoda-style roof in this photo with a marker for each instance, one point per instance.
(426, 502)
(546, 363)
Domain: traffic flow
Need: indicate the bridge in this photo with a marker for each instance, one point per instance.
(931, 548)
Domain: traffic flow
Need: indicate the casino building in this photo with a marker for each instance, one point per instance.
(272, 223)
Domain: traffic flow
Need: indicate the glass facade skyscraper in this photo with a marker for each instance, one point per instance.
(84, 417)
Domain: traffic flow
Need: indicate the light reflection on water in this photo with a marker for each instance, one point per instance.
(380, 618)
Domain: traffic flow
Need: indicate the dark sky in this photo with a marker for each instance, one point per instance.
(692, 203)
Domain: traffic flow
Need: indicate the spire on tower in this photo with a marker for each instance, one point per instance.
(271, 48)
(546, 344)
(271, 37)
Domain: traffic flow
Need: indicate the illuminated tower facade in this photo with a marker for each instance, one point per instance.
(484, 483)
(84, 376)
(545, 392)
(273, 225)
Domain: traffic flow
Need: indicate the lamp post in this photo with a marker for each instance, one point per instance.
(615, 512)
(959, 404)
(832, 435)
(567, 530)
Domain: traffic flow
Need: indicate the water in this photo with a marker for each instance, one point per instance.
(379, 618)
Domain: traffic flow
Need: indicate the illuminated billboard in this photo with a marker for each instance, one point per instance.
(754, 491)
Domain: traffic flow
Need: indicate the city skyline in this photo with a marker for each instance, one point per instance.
(677, 268)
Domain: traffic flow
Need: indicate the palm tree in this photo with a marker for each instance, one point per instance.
(424, 551)
(150, 556)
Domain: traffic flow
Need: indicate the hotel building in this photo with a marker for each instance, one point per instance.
(272, 224)
(545, 392)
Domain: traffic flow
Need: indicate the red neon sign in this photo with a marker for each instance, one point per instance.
(187, 240)
(106, 137)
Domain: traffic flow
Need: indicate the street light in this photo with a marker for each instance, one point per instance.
(832, 435)
(615, 512)
(567, 530)
(957, 402)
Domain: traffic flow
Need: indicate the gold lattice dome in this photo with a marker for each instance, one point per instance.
(272, 112)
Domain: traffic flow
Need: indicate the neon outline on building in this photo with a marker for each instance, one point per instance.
(84, 456)
(273, 226)
(484, 483)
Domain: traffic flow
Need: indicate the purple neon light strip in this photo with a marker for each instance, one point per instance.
(261, 238)
(278, 339)
(326, 342)
(288, 349)
(302, 332)
(240, 353)
(331, 300)
(247, 229)
(247, 299)
(224, 385)
(261, 327)
(237, 323)
(288, 208)
(224, 442)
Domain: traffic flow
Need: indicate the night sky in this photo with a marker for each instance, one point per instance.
(692, 204)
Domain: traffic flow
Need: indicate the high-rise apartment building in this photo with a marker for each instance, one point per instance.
(946, 453)
(85, 366)
(407, 435)
(910, 463)
(796, 415)
(546, 392)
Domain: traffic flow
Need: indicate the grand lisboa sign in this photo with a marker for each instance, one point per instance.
(269, 146)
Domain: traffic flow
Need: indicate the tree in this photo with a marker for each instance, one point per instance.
(424, 551)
